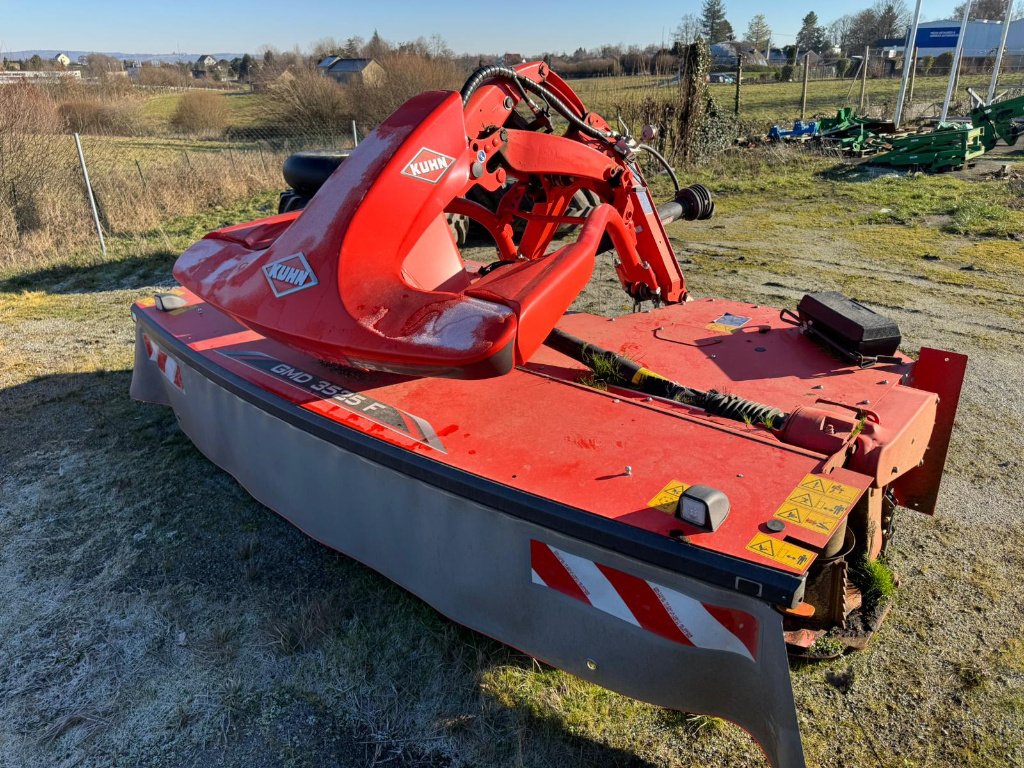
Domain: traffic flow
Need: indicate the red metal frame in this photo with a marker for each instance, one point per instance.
(390, 292)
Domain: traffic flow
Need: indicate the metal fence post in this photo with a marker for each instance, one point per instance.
(999, 53)
(92, 198)
(803, 91)
(864, 78)
(355, 135)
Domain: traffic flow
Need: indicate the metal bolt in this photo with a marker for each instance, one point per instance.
(818, 386)
(648, 399)
(775, 526)
(740, 474)
(713, 357)
(895, 470)
(864, 402)
(884, 381)
(629, 471)
(615, 400)
(591, 665)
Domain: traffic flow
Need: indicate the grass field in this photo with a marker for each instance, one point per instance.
(154, 614)
(762, 104)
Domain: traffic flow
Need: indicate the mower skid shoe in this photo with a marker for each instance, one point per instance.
(616, 621)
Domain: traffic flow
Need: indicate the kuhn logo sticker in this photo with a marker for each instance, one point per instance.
(428, 165)
(290, 274)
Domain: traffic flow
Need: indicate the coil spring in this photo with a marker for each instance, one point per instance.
(741, 409)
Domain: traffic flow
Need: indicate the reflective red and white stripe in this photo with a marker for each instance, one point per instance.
(168, 365)
(644, 604)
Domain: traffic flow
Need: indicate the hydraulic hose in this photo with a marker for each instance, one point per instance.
(484, 74)
(622, 372)
(664, 163)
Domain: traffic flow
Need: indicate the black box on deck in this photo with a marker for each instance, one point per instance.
(849, 325)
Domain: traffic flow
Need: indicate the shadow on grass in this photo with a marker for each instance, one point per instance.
(153, 268)
(245, 624)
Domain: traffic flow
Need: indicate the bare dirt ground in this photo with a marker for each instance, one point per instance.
(153, 614)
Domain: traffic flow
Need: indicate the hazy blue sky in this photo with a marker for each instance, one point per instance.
(527, 26)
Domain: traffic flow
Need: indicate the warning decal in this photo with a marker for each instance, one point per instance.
(781, 551)
(727, 323)
(818, 504)
(667, 500)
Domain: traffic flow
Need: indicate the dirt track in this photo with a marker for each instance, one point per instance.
(154, 614)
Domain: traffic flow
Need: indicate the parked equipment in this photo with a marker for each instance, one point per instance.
(660, 504)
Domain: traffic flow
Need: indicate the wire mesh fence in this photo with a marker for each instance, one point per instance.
(140, 185)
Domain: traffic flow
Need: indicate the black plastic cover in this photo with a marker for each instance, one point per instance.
(306, 172)
(848, 325)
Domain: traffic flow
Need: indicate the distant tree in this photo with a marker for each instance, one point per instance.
(925, 64)
(377, 48)
(811, 37)
(839, 32)
(245, 67)
(758, 32)
(988, 10)
(35, 63)
(353, 46)
(688, 30)
(726, 31)
(842, 67)
(892, 18)
(943, 63)
(713, 23)
(324, 47)
(98, 65)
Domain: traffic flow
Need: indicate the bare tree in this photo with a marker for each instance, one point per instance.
(688, 30)
(988, 10)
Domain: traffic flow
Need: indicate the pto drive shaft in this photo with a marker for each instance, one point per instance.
(623, 372)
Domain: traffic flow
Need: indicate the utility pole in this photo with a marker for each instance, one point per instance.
(956, 61)
(999, 53)
(908, 56)
(803, 91)
(864, 78)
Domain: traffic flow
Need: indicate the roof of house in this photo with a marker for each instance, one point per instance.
(338, 64)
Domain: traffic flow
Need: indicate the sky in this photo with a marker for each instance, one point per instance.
(523, 26)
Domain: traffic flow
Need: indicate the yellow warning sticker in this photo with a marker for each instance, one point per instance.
(781, 551)
(667, 500)
(727, 323)
(817, 504)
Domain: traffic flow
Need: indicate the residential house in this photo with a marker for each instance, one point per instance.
(349, 71)
(63, 59)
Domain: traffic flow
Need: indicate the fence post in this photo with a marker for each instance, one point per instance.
(355, 135)
(92, 198)
(803, 91)
(739, 78)
(864, 78)
(913, 76)
(954, 65)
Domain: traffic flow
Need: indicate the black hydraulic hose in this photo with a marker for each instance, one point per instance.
(664, 163)
(484, 74)
(622, 372)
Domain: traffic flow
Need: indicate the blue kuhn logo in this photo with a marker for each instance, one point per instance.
(290, 274)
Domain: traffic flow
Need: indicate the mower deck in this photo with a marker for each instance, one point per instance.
(611, 453)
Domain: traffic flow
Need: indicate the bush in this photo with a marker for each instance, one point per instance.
(201, 112)
(164, 76)
(842, 67)
(304, 102)
(406, 76)
(101, 117)
(786, 73)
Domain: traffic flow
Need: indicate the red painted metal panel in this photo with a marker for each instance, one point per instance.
(942, 373)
